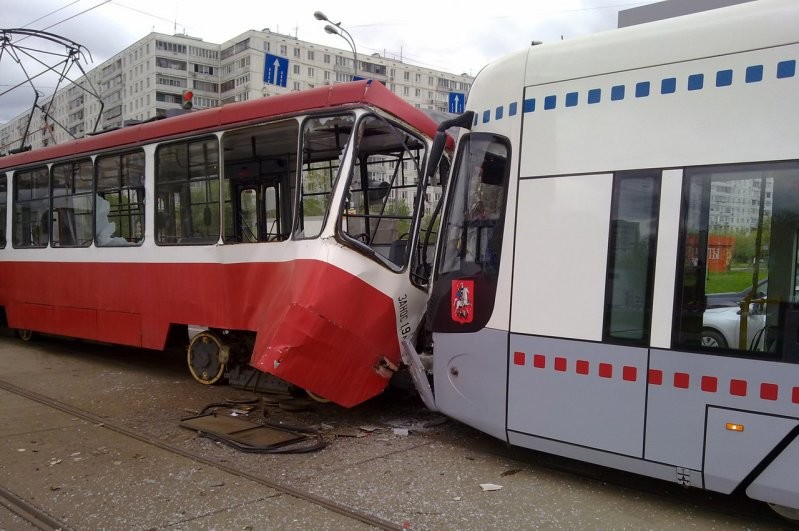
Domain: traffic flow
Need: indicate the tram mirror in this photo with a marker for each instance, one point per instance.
(493, 169)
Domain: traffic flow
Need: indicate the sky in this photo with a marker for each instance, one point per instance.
(454, 36)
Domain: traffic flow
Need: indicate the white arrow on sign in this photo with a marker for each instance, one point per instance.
(276, 64)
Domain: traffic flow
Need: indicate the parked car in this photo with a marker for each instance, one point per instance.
(721, 327)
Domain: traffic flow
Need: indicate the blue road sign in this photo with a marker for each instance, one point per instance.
(457, 101)
(276, 70)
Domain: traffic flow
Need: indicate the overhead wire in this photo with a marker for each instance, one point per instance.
(53, 12)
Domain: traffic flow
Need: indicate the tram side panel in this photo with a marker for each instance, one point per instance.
(310, 316)
(677, 115)
(563, 384)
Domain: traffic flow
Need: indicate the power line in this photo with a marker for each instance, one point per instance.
(76, 14)
(146, 13)
(50, 13)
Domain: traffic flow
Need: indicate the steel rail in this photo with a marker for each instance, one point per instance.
(32, 514)
(328, 504)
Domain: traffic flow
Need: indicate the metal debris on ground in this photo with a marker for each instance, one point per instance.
(251, 436)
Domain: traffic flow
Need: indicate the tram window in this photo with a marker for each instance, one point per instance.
(260, 167)
(71, 185)
(383, 191)
(187, 193)
(3, 202)
(631, 258)
(737, 290)
(323, 143)
(31, 208)
(119, 199)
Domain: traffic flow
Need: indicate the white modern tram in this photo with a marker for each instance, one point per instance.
(605, 188)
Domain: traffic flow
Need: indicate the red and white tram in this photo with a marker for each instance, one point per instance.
(284, 228)
(607, 189)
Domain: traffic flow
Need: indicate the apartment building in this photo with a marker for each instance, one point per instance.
(148, 78)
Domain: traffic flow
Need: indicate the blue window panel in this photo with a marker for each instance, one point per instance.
(668, 85)
(642, 89)
(724, 78)
(476, 118)
(786, 69)
(498, 113)
(512, 109)
(486, 116)
(571, 99)
(696, 81)
(529, 105)
(595, 95)
(550, 102)
(754, 73)
(617, 93)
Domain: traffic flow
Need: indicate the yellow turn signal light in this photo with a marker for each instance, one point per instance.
(731, 426)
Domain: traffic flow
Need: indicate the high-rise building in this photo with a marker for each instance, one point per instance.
(149, 79)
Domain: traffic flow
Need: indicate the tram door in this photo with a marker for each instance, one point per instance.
(258, 203)
(259, 211)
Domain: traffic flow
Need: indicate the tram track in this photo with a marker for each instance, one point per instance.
(32, 514)
(42, 520)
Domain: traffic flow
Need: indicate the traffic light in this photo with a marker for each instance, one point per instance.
(187, 96)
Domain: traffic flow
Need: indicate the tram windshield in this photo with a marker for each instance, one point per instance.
(383, 192)
(472, 235)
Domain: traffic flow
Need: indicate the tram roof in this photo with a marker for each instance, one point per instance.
(365, 92)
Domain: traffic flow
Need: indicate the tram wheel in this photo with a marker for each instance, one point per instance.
(24, 334)
(789, 513)
(207, 357)
(317, 398)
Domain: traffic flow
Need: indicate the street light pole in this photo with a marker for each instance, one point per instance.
(334, 28)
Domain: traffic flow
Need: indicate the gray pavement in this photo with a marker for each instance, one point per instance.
(91, 477)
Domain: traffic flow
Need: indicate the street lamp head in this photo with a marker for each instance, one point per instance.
(334, 28)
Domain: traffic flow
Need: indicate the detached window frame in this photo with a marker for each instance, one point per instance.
(31, 221)
(324, 143)
(187, 192)
(119, 199)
